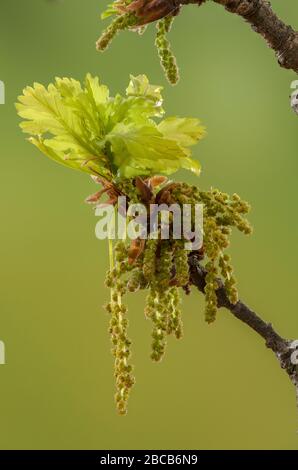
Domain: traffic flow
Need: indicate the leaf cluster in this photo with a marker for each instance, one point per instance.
(81, 126)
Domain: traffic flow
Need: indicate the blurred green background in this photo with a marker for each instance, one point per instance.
(217, 388)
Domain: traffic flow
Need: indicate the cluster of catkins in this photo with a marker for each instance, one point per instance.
(128, 21)
(162, 268)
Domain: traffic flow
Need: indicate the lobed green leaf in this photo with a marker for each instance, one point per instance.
(83, 127)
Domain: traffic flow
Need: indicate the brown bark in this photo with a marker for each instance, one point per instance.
(279, 37)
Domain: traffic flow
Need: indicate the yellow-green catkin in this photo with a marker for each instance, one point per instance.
(157, 305)
(165, 265)
(174, 325)
(181, 263)
(212, 251)
(121, 352)
(167, 58)
(162, 304)
(231, 210)
(210, 292)
(120, 23)
(162, 267)
(221, 213)
(229, 279)
(150, 303)
(159, 318)
(137, 280)
(149, 263)
(118, 329)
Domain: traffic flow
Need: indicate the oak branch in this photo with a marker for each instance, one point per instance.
(283, 39)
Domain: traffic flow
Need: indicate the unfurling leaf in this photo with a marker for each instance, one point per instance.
(185, 131)
(83, 127)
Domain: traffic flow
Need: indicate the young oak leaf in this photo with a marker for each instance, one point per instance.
(140, 87)
(185, 131)
(71, 160)
(144, 150)
(89, 104)
(142, 101)
(82, 127)
(66, 123)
